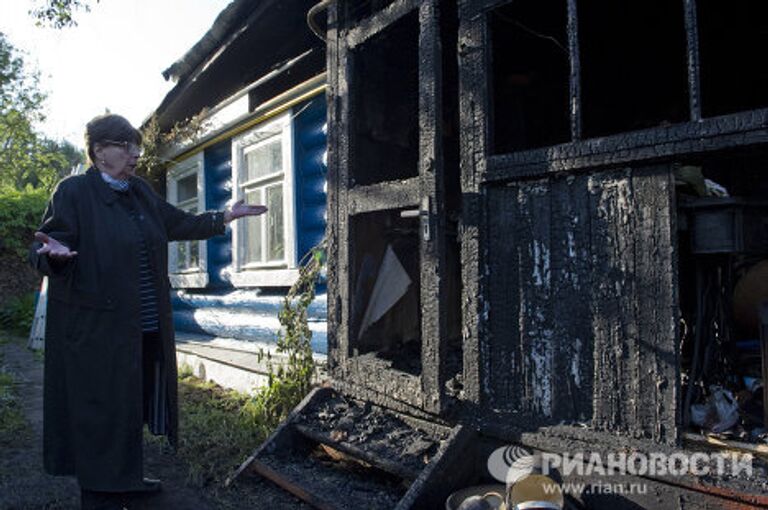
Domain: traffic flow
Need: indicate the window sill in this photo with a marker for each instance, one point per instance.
(197, 280)
(265, 278)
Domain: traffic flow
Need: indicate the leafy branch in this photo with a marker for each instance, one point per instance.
(290, 382)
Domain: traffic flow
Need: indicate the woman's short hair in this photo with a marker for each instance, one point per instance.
(109, 127)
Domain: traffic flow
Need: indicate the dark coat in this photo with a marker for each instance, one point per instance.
(93, 402)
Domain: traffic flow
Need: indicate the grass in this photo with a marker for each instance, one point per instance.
(218, 430)
(13, 424)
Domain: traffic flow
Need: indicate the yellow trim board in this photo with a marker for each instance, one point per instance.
(232, 132)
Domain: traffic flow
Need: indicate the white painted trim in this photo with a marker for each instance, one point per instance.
(265, 278)
(196, 280)
(271, 273)
(188, 278)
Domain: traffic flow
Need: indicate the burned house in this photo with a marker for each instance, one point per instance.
(522, 245)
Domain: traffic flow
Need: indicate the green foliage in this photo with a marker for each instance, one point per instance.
(20, 215)
(152, 164)
(289, 383)
(58, 13)
(17, 314)
(26, 157)
(217, 435)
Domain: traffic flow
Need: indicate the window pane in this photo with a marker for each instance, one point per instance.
(194, 254)
(265, 159)
(531, 70)
(252, 230)
(275, 223)
(181, 255)
(186, 188)
(633, 65)
(732, 37)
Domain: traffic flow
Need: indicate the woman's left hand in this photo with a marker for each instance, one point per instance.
(240, 209)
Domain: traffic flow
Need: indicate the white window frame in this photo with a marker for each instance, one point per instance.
(273, 273)
(193, 277)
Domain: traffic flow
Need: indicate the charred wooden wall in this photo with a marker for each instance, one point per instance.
(568, 248)
(579, 302)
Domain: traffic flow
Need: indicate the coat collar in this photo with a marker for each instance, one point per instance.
(103, 189)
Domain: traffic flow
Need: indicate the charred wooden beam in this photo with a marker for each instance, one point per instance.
(379, 22)
(356, 453)
(384, 196)
(575, 79)
(692, 38)
(707, 135)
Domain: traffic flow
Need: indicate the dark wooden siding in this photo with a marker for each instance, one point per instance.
(580, 302)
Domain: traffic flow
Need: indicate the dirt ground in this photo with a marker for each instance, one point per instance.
(24, 485)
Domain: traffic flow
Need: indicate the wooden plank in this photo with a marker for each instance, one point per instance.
(386, 465)
(282, 435)
(432, 242)
(537, 343)
(656, 360)
(290, 486)
(473, 113)
(572, 283)
(501, 349)
(613, 321)
(728, 445)
(706, 135)
(448, 471)
(384, 196)
(379, 22)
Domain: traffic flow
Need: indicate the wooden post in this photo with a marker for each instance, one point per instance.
(764, 351)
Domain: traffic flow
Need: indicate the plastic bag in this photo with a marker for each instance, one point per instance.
(719, 413)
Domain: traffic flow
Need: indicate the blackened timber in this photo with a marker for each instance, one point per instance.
(294, 487)
(473, 110)
(570, 268)
(380, 21)
(575, 78)
(657, 370)
(356, 453)
(337, 146)
(713, 134)
(692, 38)
(614, 322)
(447, 472)
(473, 8)
(434, 331)
(503, 353)
(384, 196)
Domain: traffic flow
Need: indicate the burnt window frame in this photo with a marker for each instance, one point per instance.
(697, 134)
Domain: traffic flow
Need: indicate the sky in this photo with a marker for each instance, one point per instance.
(113, 58)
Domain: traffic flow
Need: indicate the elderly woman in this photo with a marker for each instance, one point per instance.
(110, 362)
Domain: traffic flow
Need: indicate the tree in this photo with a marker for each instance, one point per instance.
(59, 13)
(26, 157)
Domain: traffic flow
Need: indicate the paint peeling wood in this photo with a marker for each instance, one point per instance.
(658, 372)
(504, 352)
(571, 275)
(635, 369)
(613, 322)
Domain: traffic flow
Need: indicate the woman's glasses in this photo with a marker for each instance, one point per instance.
(128, 146)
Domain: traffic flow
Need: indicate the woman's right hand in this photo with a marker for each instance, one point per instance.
(53, 248)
